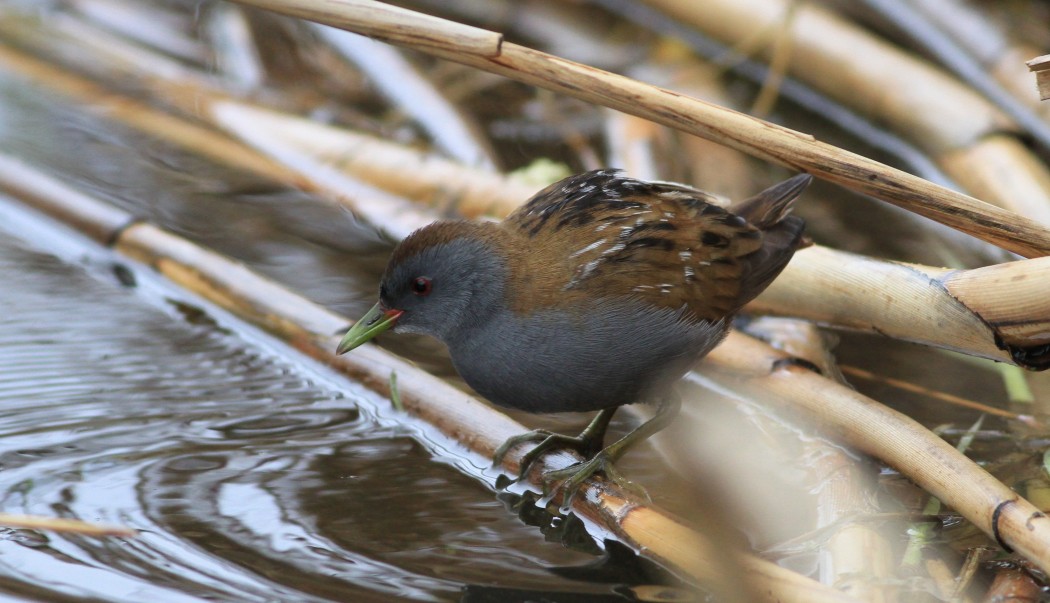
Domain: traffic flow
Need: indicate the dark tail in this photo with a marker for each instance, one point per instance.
(781, 234)
(773, 204)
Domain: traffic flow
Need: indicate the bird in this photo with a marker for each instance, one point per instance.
(600, 291)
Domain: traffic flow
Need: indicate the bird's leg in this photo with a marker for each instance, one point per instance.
(588, 443)
(572, 477)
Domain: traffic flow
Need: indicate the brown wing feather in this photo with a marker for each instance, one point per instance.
(667, 244)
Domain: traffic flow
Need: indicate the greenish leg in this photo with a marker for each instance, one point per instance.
(588, 443)
(572, 478)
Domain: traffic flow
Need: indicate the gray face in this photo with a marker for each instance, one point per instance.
(446, 290)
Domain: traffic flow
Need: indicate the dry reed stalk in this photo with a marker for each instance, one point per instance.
(1000, 312)
(937, 395)
(229, 35)
(1001, 169)
(1009, 72)
(67, 526)
(99, 221)
(631, 143)
(141, 228)
(641, 148)
(1041, 67)
(943, 579)
(751, 368)
(101, 51)
(386, 212)
(924, 26)
(406, 88)
(717, 169)
(1012, 298)
(395, 25)
(856, 557)
(439, 181)
(154, 25)
(988, 41)
(310, 328)
(753, 136)
(879, 79)
(1014, 585)
(964, 581)
(435, 182)
(100, 101)
(874, 76)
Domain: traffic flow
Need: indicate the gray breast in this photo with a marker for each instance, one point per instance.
(618, 352)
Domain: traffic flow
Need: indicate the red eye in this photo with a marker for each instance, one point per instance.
(421, 286)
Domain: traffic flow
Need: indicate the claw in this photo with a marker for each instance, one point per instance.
(527, 460)
(535, 435)
(547, 441)
(572, 478)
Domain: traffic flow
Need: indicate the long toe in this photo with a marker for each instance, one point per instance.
(571, 479)
(536, 435)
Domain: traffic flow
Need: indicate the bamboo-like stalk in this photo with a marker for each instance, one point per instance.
(99, 221)
(436, 182)
(391, 214)
(1001, 168)
(79, 40)
(862, 422)
(753, 136)
(954, 118)
(1041, 67)
(193, 95)
(1013, 586)
(413, 94)
(641, 148)
(100, 101)
(908, 386)
(943, 579)
(989, 42)
(1000, 312)
(964, 581)
(64, 525)
(630, 145)
(917, 22)
(310, 328)
(751, 368)
(920, 101)
(1012, 298)
(236, 53)
(719, 170)
(792, 89)
(844, 486)
(155, 26)
(397, 25)
(304, 152)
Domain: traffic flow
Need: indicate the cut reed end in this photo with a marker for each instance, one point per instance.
(1041, 67)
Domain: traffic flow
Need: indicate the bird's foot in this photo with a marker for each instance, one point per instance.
(583, 443)
(588, 443)
(570, 479)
